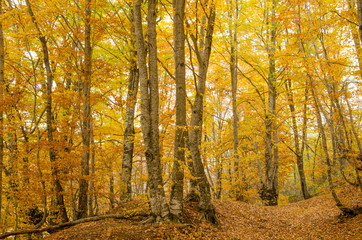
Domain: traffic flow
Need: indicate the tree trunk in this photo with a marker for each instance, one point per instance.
(86, 121)
(128, 144)
(203, 55)
(149, 108)
(176, 201)
(270, 188)
(2, 84)
(59, 201)
(297, 149)
(324, 145)
(234, 78)
(359, 14)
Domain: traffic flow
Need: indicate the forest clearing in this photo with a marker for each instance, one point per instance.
(180, 119)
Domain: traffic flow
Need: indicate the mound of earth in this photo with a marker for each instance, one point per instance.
(315, 218)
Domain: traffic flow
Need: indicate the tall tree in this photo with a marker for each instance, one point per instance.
(270, 191)
(50, 118)
(202, 48)
(86, 121)
(181, 131)
(149, 107)
(2, 84)
(129, 132)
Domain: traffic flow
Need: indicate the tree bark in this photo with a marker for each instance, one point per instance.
(234, 79)
(203, 54)
(59, 201)
(2, 84)
(324, 145)
(128, 144)
(149, 108)
(359, 14)
(176, 200)
(86, 121)
(297, 148)
(270, 188)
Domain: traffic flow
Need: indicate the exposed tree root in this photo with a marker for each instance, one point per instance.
(349, 212)
(68, 224)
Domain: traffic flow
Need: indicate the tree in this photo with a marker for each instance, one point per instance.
(86, 121)
(2, 84)
(149, 107)
(49, 118)
(176, 200)
(202, 48)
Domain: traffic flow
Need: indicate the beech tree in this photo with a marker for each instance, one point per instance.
(149, 107)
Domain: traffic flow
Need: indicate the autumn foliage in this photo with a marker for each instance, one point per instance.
(276, 120)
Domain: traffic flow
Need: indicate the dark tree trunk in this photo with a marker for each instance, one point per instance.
(2, 84)
(297, 149)
(128, 144)
(86, 121)
(176, 206)
(58, 188)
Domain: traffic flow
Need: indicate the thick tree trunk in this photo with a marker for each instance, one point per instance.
(149, 108)
(297, 149)
(176, 201)
(86, 121)
(2, 84)
(59, 201)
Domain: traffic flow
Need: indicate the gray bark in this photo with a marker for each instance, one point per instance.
(234, 79)
(203, 54)
(129, 131)
(297, 149)
(324, 145)
(176, 206)
(58, 188)
(270, 188)
(86, 121)
(149, 108)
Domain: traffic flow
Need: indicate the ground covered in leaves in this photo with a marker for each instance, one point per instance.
(315, 218)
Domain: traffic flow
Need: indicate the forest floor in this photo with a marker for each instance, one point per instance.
(315, 218)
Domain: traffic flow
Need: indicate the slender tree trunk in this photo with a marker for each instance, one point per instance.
(270, 188)
(234, 78)
(86, 121)
(203, 55)
(59, 201)
(2, 84)
(297, 150)
(324, 145)
(149, 108)
(176, 201)
(130, 112)
(91, 200)
(359, 14)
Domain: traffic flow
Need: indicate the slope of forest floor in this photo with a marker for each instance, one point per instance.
(315, 218)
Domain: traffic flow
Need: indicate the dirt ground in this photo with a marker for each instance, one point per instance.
(315, 218)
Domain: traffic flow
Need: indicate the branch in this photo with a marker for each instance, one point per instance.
(69, 224)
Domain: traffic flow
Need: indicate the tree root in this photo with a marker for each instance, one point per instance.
(349, 212)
